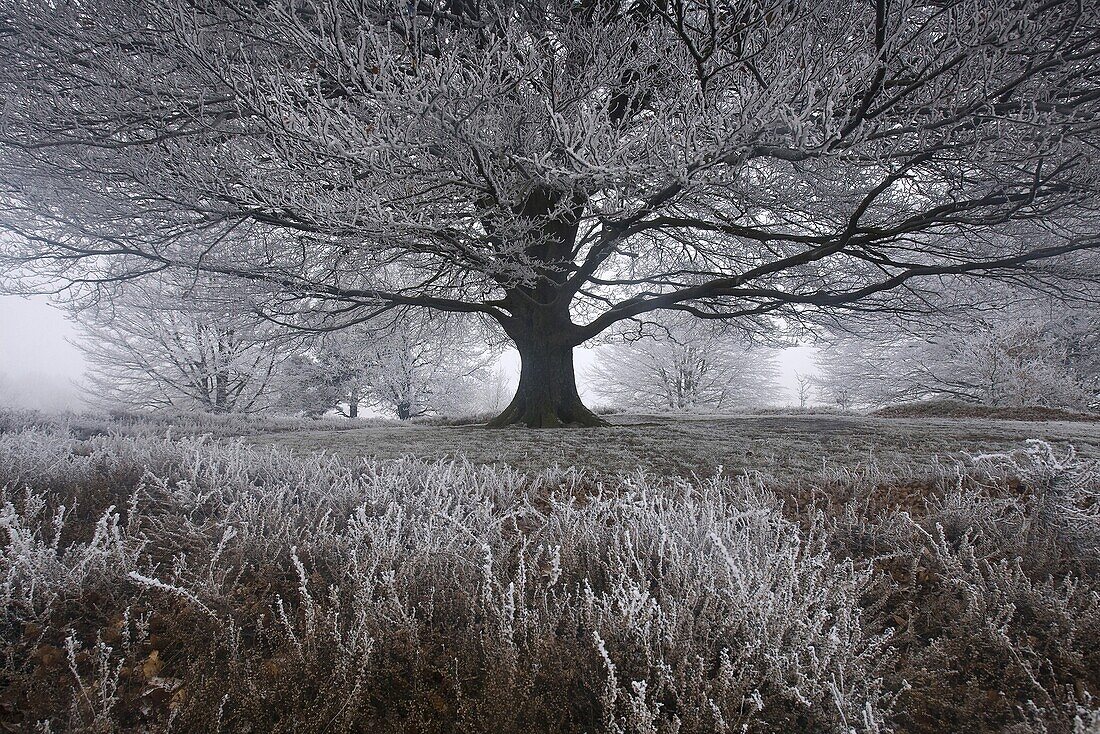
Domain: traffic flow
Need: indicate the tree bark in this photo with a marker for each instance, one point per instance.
(547, 395)
(540, 323)
(221, 392)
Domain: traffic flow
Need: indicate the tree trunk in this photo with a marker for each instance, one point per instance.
(353, 408)
(221, 392)
(404, 410)
(547, 395)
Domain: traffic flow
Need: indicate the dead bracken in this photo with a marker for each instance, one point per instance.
(156, 584)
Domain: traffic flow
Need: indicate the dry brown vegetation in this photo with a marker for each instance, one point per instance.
(193, 584)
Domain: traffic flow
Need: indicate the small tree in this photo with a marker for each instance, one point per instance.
(146, 352)
(685, 366)
(804, 385)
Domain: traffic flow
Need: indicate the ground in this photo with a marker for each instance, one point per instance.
(781, 445)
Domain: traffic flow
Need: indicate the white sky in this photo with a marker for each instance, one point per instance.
(39, 368)
(38, 365)
(33, 338)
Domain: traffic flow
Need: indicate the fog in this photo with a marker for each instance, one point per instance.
(39, 367)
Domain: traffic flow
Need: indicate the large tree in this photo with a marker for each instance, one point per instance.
(558, 166)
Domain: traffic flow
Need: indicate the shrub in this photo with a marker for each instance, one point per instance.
(991, 583)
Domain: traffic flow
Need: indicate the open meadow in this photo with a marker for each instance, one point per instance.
(781, 445)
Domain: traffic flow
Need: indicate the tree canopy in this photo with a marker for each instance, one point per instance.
(559, 167)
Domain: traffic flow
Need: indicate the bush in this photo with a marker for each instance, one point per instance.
(14, 419)
(214, 586)
(991, 581)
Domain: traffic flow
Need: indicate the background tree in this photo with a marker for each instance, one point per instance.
(142, 353)
(1016, 355)
(557, 166)
(853, 371)
(405, 366)
(686, 366)
(427, 366)
(327, 373)
(804, 385)
(497, 391)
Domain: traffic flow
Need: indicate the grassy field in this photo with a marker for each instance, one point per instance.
(784, 446)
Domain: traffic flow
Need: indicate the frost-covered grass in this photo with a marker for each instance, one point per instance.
(185, 584)
(784, 446)
(178, 423)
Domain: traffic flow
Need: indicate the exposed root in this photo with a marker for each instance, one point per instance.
(545, 415)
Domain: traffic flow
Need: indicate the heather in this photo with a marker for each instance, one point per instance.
(189, 584)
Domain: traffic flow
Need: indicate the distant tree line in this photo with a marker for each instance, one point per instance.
(1016, 353)
(177, 345)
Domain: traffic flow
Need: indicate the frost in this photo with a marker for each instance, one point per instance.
(297, 593)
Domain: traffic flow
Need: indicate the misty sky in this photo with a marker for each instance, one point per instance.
(40, 368)
(33, 338)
